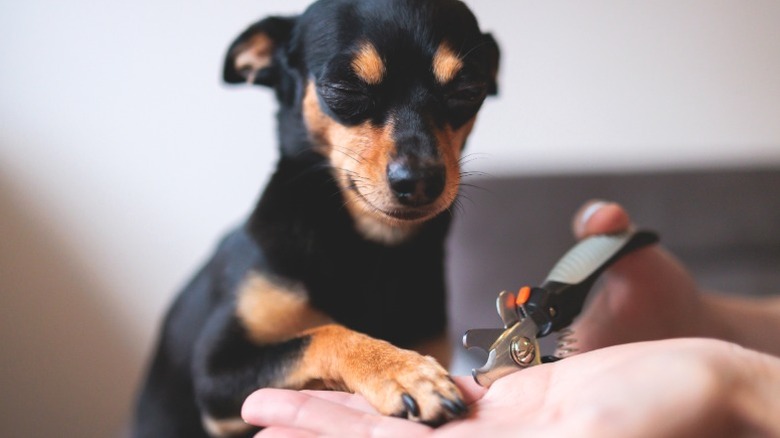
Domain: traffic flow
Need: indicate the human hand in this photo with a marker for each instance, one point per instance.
(682, 387)
(646, 295)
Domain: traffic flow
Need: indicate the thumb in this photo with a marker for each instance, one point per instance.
(600, 217)
(645, 295)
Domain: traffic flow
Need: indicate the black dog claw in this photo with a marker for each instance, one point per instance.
(456, 407)
(462, 406)
(411, 405)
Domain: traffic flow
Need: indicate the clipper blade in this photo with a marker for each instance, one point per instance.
(566, 344)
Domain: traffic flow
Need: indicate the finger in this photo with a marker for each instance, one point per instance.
(347, 399)
(600, 217)
(612, 311)
(296, 410)
(285, 432)
(469, 388)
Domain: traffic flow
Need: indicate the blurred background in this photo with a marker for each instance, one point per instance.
(123, 159)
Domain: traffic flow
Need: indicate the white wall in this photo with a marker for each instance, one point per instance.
(122, 158)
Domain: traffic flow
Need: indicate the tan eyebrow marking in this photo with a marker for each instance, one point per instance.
(446, 64)
(368, 65)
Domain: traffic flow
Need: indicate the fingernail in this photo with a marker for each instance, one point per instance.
(588, 213)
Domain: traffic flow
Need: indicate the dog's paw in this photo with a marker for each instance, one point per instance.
(405, 384)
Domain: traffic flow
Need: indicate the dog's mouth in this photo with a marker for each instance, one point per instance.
(395, 213)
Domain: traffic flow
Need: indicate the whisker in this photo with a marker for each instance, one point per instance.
(457, 206)
(472, 157)
(473, 186)
(350, 154)
(477, 46)
(468, 173)
(318, 166)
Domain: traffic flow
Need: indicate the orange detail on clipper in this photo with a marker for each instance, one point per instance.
(522, 295)
(510, 301)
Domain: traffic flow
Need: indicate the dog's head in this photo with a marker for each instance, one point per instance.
(387, 90)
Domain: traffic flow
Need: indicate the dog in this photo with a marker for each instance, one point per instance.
(337, 278)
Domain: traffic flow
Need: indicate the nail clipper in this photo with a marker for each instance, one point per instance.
(535, 312)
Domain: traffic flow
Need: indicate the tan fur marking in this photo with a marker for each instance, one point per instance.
(271, 312)
(318, 124)
(446, 64)
(342, 359)
(359, 154)
(254, 55)
(451, 144)
(368, 65)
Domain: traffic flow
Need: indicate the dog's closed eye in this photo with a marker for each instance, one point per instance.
(348, 102)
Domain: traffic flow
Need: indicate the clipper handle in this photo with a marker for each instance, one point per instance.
(563, 293)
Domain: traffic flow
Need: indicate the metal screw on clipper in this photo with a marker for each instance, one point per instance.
(523, 351)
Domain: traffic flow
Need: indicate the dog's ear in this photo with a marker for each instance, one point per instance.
(493, 56)
(253, 56)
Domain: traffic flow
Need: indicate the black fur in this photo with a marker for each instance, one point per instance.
(300, 230)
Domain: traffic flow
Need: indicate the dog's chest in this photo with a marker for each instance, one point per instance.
(396, 294)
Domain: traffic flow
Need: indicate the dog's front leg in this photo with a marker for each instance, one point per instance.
(271, 337)
(248, 343)
(228, 365)
(395, 381)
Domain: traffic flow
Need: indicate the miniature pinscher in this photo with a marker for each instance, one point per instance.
(337, 279)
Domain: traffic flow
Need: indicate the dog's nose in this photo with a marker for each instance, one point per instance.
(415, 184)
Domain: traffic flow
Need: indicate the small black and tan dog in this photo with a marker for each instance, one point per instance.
(338, 274)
